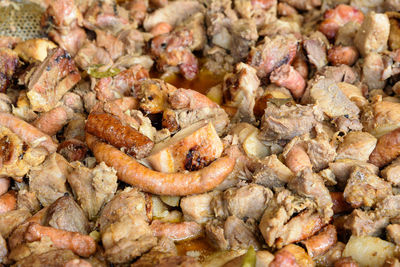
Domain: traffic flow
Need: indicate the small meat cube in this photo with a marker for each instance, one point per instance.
(48, 180)
(240, 90)
(316, 47)
(197, 207)
(372, 69)
(373, 34)
(65, 214)
(365, 188)
(362, 223)
(240, 235)
(124, 227)
(92, 187)
(330, 98)
(356, 145)
(286, 122)
(392, 173)
(89, 54)
(273, 53)
(248, 201)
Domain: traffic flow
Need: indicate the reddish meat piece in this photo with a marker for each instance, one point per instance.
(337, 17)
(172, 50)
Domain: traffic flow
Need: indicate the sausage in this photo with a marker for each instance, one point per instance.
(28, 133)
(176, 184)
(82, 245)
(109, 128)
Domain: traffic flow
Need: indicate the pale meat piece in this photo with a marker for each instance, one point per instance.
(273, 53)
(286, 122)
(391, 173)
(240, 90)
(393, 232)
(89, 54)
(51, 79)
(357, 146)
(57, 258)
(239, 235)
(381, 117)
(48, 181)
(365, 188)
(362, 223)
(342, 168)
(248, 201)
(244, 36)
(278, 213)
(218, 117)
(301, 227)
(214, 231)
(106, 16)
(197, 207)
(34, 49)
(309, 184)
(10, 220)
(173, 13)
(231, 234)
(316, 48)
(111, 44)
(124, 227)
(195, 23)
(320, 151)
(372, 70)
(92, 187)
(27, 200)
(328, 96)
(373, 34)
(65, 214)
(271, 172)
(190, 149)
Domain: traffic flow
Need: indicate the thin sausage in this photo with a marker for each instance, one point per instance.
(28, 133)
(82, 245)
(176, 184)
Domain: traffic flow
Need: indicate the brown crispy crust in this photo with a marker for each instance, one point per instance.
(109, 128)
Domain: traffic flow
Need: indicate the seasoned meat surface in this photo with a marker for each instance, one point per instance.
(201, 133)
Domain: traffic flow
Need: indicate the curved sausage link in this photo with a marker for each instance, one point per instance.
(82, 245)
(176, 231)
(387, 149)
(322, 242)
(52, 121)
(111, 129)
(27, 132)
(176, 184)
(297, 159)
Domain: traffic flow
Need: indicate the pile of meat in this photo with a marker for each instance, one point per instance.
(290, 158)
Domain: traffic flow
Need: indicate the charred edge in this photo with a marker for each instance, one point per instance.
(6, 148)
(193, 160)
